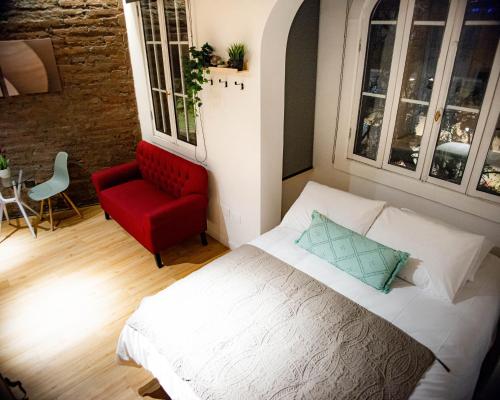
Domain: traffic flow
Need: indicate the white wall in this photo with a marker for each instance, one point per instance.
(231, 117)
(244, 129)
(329, 61)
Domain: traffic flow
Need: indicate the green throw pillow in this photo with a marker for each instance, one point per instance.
(371, 262)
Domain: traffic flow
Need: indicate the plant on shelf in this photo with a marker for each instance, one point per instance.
(195, 67)
(236, 54)
(4, 165)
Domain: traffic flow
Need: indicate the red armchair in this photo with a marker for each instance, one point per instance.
(160, 199)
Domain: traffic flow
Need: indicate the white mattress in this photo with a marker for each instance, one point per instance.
(459, 334)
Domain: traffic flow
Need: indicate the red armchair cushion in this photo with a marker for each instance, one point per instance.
(130, 202)
(160, 199)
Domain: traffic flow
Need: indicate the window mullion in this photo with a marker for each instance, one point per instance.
(166, 65)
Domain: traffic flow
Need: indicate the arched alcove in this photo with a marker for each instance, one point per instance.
(300, 90)
(273, 61)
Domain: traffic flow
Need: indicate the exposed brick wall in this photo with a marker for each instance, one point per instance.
(94, 118)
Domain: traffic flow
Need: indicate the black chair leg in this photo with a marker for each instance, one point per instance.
(203, 237)
(159, 262)
(106, 215)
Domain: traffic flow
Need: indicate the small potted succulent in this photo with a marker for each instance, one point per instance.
(236, 54)
(4, 165)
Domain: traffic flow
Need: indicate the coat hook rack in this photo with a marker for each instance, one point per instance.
(240, 84)
(223, 81)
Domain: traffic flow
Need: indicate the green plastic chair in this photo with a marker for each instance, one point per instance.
(56, 185)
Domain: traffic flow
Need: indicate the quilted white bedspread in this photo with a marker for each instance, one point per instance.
(458, 334)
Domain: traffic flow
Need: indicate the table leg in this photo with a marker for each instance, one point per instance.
(26, 218)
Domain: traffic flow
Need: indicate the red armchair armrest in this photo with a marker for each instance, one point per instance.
(113, 176)
(177, 220)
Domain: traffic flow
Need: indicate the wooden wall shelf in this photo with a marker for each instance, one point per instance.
(228, 71)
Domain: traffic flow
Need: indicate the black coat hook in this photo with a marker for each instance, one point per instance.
(241, 84)
(224, 82)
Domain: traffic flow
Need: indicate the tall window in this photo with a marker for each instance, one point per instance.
(167, 39)
(428, 85)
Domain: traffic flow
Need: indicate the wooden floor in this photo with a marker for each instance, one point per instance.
(64, 298)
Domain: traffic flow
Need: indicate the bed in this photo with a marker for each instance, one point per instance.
(459, 333)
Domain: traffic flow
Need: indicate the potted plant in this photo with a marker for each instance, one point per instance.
(195, 67)
(236, 54)
(4, 165)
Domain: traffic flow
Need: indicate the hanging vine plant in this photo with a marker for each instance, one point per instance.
(195, 70)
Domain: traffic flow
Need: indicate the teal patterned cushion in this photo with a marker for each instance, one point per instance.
(371, 262)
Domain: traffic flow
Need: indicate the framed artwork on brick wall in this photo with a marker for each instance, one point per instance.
(28, 67)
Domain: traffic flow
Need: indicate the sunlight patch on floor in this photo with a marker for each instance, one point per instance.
(59, 312)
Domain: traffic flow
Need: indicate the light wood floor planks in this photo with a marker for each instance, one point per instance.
(65, 296)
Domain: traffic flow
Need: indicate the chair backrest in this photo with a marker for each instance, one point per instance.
(61, 175)
(170, 173)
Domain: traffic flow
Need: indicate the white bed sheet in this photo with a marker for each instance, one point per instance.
(459, 334)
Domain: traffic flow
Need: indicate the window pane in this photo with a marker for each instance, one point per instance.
(452, 150)
(184, 56)
(146, 21)
(150, 52)
(157, 108)
(483, 10)
(191, 122)
(490, 176)
(182, 17)
(408, 131)
(181, 120)
(175, 68)
(170, 20)
(474, 59)
(386, 10)
(431, 10)
(378, 58)
(159, 63)
(369, 126)
(166, 116)
(155, 21)
(469, 80)
(421, 62)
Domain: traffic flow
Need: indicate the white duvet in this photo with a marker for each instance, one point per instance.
(459, 334)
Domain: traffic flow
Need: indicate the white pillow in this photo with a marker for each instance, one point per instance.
(343, 208)
(485, 249)
(441, 256)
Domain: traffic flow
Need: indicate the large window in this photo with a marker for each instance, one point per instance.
(167, 39)
(427, 97)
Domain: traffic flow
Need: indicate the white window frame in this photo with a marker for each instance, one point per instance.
(483, 111)
(163, 139)
(357, 36)
(491, 122)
